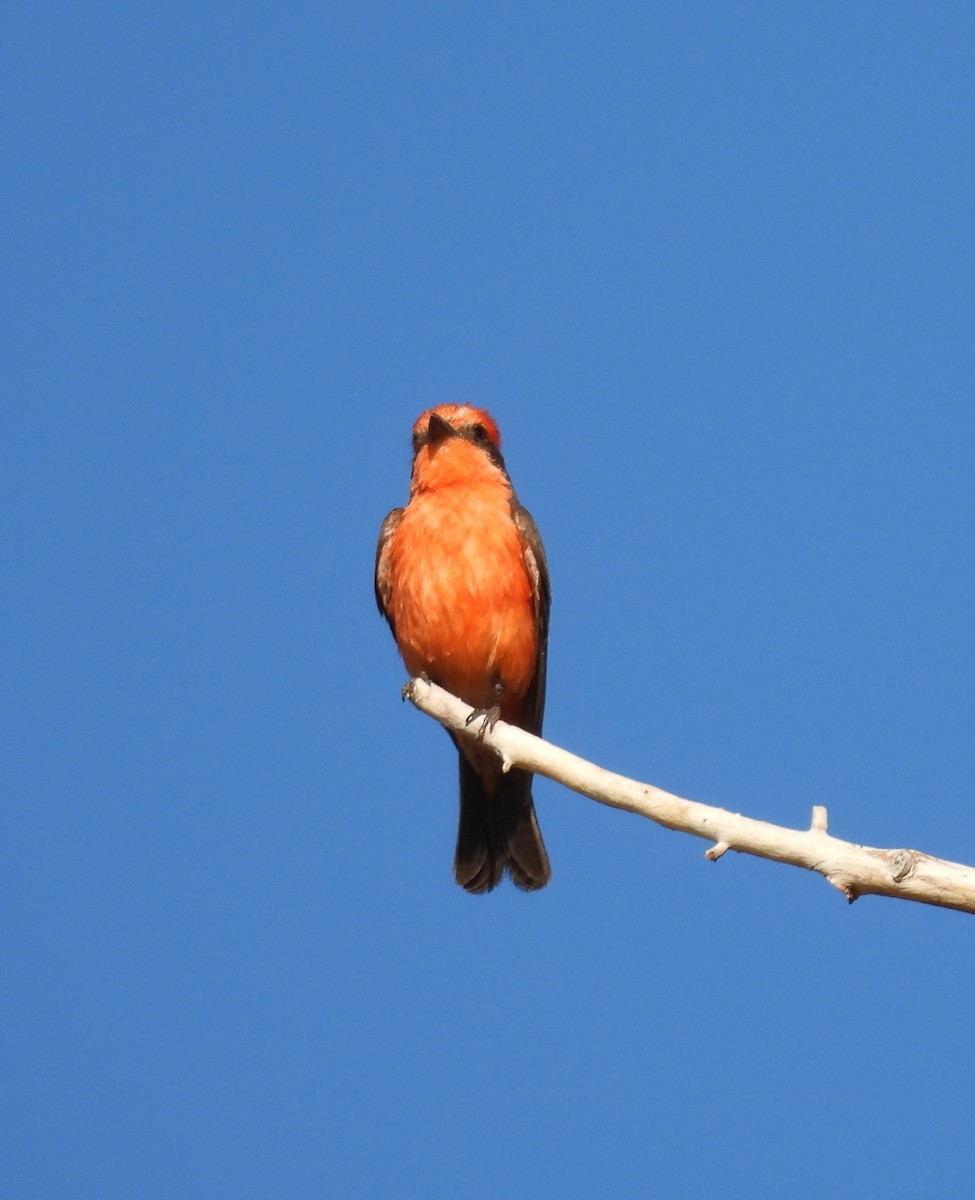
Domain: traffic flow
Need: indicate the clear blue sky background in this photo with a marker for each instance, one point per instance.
(711, 268)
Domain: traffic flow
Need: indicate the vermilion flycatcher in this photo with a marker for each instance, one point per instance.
(462, 580)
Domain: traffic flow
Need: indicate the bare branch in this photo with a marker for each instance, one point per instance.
(854, 870)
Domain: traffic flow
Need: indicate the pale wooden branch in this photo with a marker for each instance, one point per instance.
(854, 870)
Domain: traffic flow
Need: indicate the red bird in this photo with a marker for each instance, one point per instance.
(461, 578)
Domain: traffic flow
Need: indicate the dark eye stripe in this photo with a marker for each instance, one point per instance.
(477, 434)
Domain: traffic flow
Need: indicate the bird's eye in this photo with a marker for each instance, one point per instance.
(481, 435)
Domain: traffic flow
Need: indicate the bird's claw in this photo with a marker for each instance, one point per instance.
(490, 716)
(407, 692)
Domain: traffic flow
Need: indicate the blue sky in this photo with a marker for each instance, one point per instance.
(710, 267)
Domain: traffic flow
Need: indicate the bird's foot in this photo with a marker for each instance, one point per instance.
(489, 716)
(407, 692)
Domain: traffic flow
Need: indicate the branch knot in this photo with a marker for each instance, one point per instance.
(900, 863)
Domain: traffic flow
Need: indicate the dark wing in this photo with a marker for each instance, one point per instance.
(383, 588)
(537, 564)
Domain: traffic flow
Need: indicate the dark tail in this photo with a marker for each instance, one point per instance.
(498, 832)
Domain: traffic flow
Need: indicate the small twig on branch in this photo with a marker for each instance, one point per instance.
(854, 870)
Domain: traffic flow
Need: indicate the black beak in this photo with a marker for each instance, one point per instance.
(438, 429)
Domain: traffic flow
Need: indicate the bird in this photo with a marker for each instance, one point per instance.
(461, 577)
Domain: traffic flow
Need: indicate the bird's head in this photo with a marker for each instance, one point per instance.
(455, 443)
